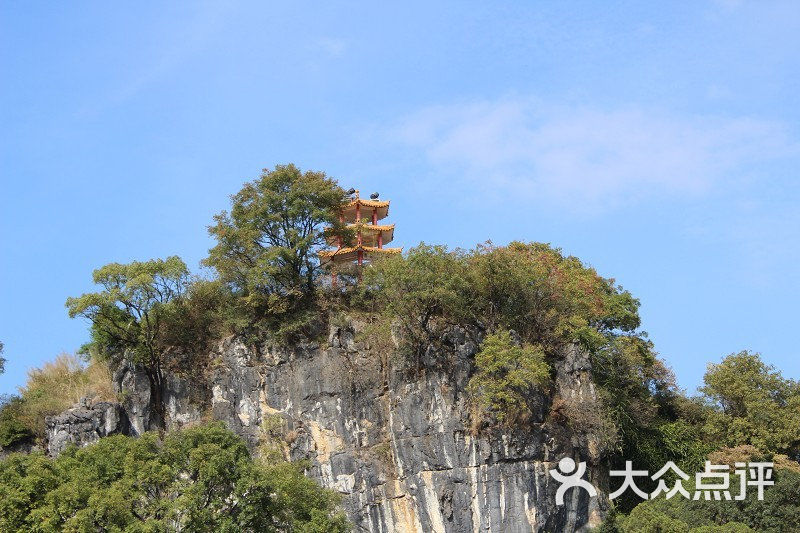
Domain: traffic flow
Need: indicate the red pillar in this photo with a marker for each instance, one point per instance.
(374, 216)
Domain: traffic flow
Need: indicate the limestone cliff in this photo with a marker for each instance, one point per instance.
(396, 444)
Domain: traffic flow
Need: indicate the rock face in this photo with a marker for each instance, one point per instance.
(397, 446)
(395, 443)
(85, 424)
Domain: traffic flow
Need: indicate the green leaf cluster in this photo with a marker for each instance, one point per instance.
(12, 428)
(267, 243)
(507, 375)
(198, 479)
(549, 299)
(751, 403)
(776, 513)
(747, 411)
(128, 314)
(647, 519)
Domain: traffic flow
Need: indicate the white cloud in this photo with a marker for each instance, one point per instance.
(585, 156)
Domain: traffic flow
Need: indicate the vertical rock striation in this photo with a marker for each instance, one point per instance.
(397, 444)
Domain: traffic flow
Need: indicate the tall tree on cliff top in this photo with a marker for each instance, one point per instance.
(266, 246)
(129, 315)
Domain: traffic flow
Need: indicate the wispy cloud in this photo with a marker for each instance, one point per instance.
(596, 158)
(177, 44)
(332, 47)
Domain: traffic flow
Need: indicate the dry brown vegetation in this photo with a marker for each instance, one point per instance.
(58, 385)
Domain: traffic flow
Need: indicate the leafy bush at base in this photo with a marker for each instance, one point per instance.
(198, 479)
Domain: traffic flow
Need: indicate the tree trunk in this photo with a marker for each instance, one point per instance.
(157, 408)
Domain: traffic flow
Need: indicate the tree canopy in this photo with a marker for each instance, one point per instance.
(532, 288)
(267, 243)
(198, 479)
(130, 314)
(752, 404)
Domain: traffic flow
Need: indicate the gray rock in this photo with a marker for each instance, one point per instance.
(85, 424)
(396, 444)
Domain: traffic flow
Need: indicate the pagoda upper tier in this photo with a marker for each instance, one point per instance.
(359, 208)
(361, 216)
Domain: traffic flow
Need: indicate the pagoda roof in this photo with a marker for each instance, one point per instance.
(369, 234)
(351, 253)
(350, 208)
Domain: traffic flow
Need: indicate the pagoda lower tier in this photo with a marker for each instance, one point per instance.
(357, 253)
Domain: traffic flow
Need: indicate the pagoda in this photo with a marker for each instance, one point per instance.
(361, 216)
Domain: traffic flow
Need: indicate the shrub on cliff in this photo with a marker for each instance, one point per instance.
(546, 297)
(198, 479)
(506, 376)
(549, 299)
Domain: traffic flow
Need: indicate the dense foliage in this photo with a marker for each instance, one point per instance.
(12, 428)
(747, 412)
(266, 246)
(506, 375)
(778, 512)
(545, 297)
(752, 404)
(199, 479)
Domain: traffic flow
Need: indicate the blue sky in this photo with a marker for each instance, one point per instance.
(658, 142)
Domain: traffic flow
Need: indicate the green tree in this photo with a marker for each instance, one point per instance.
(129, 314)
(644, 519)
(752, 404)
(507, 374)
(547, 298)
(12, 428)
(776, 513)
(425, 292)
(266, 246)
(198, 479)
(2, 359)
